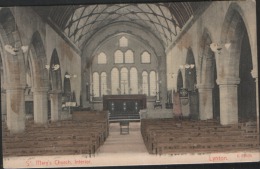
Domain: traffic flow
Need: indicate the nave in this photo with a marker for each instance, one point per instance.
(185, 79)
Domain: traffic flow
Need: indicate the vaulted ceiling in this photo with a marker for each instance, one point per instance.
(80, 22)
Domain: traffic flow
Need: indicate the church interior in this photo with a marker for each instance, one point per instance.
(182, 76)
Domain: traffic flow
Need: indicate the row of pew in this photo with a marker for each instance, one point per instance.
(172, 136)
(75, 136)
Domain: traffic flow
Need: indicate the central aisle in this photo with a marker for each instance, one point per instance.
(123, 143)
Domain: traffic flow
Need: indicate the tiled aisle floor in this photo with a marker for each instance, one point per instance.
(124, 143)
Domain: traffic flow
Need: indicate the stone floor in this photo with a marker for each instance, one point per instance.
(124, 143)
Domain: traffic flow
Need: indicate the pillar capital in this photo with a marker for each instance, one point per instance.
(228, 81)
(254, 73)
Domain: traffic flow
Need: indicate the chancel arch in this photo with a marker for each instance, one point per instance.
(125, 66)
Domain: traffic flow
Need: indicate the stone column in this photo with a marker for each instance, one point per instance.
(228, 101)
(15, 106)
(255, 76)
(55, 97)
(163, 85)
(40, 105)
(205, 102)
(3, 104)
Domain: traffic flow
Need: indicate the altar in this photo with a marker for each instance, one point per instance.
(124, 106)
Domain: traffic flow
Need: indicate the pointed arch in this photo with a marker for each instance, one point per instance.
(118, 57)
(179, 81)
(190, 71)
(66, 84)
(207, 61)
(233, 31)
(39, 60)
(9, 35)
(102, 58)
(55, 74)
(129, 56)
(237, 66)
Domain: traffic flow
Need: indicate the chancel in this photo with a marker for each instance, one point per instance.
(182, 76)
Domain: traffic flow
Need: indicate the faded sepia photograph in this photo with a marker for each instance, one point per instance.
(129, 84)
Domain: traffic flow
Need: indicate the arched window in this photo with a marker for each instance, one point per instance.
(123, 42)
(145, 57)
(133, 81)
(28, 79)
(145, 82)
(152, 83)
(66, 85)
(102, 58)
(179, 81)
(28, 75)
(103, 83)
(96, 84)
(119, 57)
(129, 56)
(114, 81)
(124, 81)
